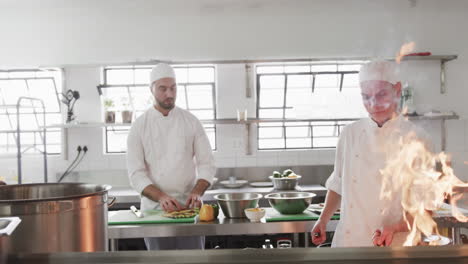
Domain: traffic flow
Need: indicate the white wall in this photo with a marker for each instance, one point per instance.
(81, 35)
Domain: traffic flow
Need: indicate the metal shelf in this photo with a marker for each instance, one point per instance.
(444, 58)
(88, 125)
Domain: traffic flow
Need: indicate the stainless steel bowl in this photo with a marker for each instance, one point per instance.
(285, 183)
(290, 202)
(234, 204)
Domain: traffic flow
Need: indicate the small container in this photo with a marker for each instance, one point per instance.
(255, 214)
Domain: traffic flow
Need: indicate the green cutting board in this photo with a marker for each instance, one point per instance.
(127, 217)
(274, 216)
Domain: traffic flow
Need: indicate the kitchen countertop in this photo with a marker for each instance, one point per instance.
(127, 195)
(370, 255)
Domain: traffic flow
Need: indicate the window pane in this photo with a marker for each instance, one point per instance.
(271, 98)
(11, 90)
(271, 113)
(295, 132)
(119, 77)
(181, 97)
(22, 74)
(300, 81)
(118, 95)
(141, 97)
(44, 89)
(142, 76)
(272, 124)
(298, 142)
(295, 96)
(297, 68)
(349, 67)
(272, 82)
(324, 68)
(325, 142)
(325, 131)
(270, 132)
(197, 75)
(351, 81)
(327, 81)
(200, 96)
(270, 69)
(203, 114)
(117, 140)
(270, 143)
(181, 74)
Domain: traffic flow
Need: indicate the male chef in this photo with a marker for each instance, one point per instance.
(362, 151)
(169, 158)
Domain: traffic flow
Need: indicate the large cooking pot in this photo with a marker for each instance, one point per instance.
(57, 217)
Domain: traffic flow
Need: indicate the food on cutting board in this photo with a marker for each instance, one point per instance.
(188, 213)
(286, 174)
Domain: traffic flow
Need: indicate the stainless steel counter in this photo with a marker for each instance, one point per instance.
(226, 226)
(127, 195)
(222, 226)
(371, 255)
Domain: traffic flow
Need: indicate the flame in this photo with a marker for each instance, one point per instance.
(422, 180)
(405, 49)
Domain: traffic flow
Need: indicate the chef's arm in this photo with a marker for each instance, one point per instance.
(203, 158)
(332, 203)
(201, 186)
(154, 193)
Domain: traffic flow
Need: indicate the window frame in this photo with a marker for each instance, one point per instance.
(111, 128)
(8, 112)
(339, 123)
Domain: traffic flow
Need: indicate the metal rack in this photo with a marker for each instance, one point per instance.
(42, 130)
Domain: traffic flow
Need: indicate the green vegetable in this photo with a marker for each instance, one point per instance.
(216, 210)
(276, 174)
(287, 172)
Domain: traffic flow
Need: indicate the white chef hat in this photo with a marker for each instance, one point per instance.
(379, 71)
(162, 70)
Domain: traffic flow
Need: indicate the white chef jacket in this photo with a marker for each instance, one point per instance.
(356, 177)
(164, 151)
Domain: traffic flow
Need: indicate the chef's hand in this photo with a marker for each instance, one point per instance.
(318, 232)
(384, 237)
(169, 204)
(193, 201)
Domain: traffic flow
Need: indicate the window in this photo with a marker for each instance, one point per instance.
(129, 87)
(44, 84)
(323, 97)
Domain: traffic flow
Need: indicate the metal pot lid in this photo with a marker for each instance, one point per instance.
(49, 191)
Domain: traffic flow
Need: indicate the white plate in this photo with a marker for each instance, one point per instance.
(261, 184)
(236, 184)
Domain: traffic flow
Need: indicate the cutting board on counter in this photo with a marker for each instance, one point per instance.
(127, 217)
(272, 215)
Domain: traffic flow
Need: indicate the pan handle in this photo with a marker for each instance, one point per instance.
(111, 201)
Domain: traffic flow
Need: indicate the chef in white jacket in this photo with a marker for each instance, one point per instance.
(362, 150)
(169, 158)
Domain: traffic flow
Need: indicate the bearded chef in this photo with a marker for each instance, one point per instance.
(169, 158)
(362, 150)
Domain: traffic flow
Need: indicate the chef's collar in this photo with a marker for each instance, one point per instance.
(387, 124)
(158, 114)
